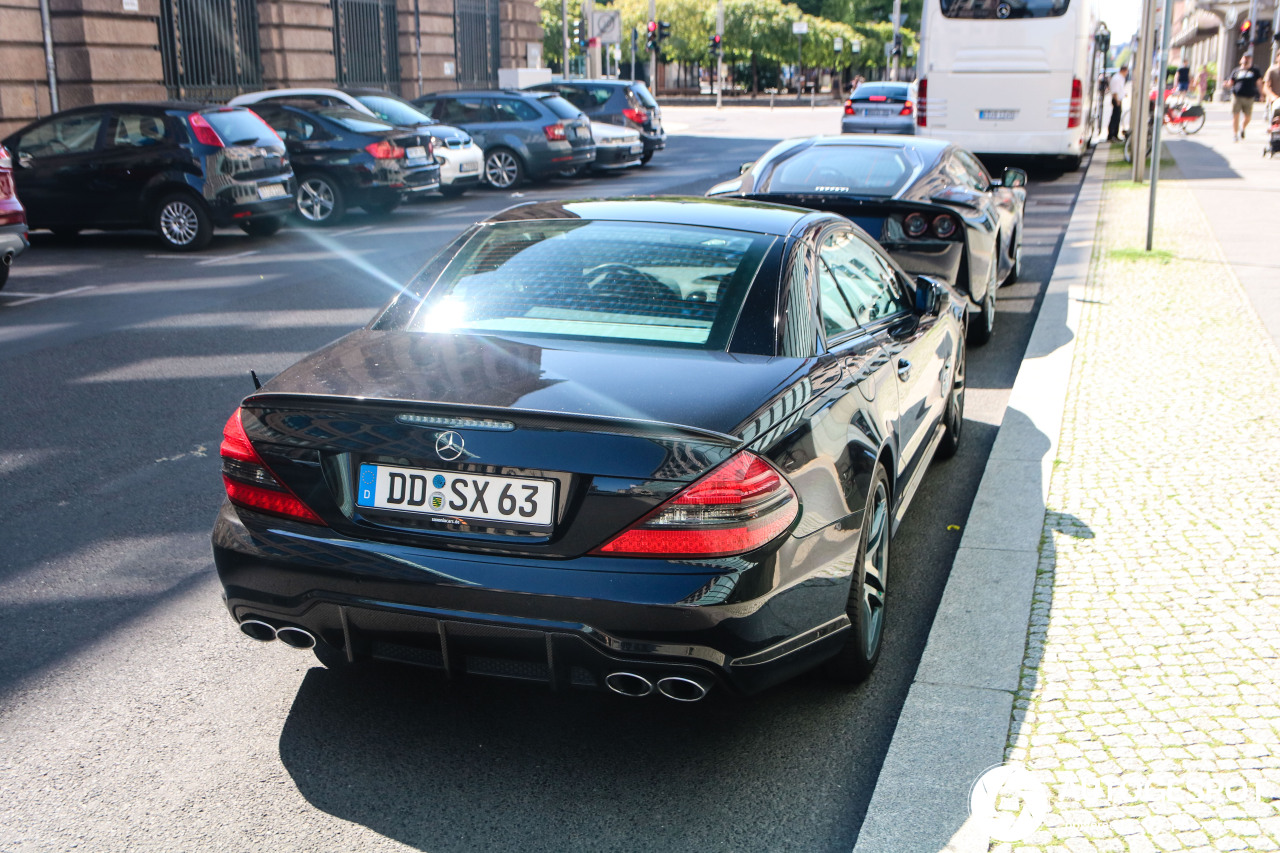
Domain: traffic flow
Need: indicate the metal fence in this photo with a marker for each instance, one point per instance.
(210, 48)
(475, 43)
(365, 43)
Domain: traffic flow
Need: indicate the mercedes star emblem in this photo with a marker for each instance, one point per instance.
(449, 445)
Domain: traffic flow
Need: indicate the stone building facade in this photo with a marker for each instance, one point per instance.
(115, 50)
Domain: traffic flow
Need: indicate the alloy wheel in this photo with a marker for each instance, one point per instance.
(179, 222)
(315, 200)
(501, 169)
(875, 569)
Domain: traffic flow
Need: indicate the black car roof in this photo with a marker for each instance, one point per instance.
(734, 214)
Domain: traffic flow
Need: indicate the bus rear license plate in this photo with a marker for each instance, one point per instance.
(997, 115)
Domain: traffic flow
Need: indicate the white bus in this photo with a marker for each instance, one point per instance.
(1010, 76)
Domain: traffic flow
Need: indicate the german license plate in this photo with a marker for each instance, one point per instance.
(997, 115)
(637, 149)
(468, 167)
(271, 191)
(471, 497)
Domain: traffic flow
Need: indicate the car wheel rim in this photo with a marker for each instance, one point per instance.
(1017, 260)
(500, 170)
(955, 412)
(179, 223)
(875, 569)
(315, 200)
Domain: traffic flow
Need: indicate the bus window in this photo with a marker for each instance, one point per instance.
(1004, 8)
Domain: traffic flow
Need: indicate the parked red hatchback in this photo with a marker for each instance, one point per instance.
(13, 219)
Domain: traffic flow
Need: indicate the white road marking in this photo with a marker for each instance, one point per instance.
(207, 261)
(43, 296)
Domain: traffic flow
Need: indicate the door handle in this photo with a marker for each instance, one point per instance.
(904, 369)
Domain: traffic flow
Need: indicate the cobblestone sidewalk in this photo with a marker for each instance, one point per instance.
(1148, 703)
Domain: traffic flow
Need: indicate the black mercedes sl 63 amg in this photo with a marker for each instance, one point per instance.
(651, 446)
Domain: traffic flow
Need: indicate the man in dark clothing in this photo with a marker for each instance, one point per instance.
(1116, 88)
(1244, 91)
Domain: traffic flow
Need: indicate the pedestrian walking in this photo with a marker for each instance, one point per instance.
(1116, 88)
(1202, 83)
(1183, 79)
(1271, 78)
(1244, 91)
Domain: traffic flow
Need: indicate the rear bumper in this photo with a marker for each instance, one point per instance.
(538, 621)
(460, 166)
(1047, 143)
(13, 240)
(856, 124)
(242, 201)
(561, 157)
(617, 156)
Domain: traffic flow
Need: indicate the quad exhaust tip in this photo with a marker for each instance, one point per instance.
(674, 687)
(682, 689)
(290, 635)
(628, 684)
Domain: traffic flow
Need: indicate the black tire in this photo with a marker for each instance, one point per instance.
(1015, 255)
(1193, 125)
(452, 190)
(1073, 163)
(262, 226)
(4, 275)
(503, 169)
(380, 208)
(866, 603)
(982, 325)
(953, 414)
(645, 158)
(183, 222)
(320, 200)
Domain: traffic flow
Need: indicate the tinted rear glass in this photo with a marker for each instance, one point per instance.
(241, 127)
(394, 111)
(561, 107)
(888, 91)
(354, 121)
(582, 279)
(645, 97)
(862, 170)
(1002, 9)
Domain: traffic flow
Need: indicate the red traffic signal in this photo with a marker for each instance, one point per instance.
(653, 26)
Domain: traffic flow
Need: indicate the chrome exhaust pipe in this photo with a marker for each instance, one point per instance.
(7, 260)
(258, 630)
(628, 684)
(295, 637)
(682, 689)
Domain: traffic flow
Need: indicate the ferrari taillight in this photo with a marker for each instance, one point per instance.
(740, 506)
(250, 483)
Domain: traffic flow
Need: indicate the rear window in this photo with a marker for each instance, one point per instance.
(619, 281)
(354, 121)
(1001, 9)
(863, 170)
(394, 111)
(880, 91)
(642, 91)
(241, 127)
(560, 107)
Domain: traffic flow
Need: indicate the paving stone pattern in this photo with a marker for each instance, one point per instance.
(1148, 703)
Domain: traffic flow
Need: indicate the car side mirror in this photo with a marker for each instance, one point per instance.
(1013, 178)
(744, 168)
(928, 295)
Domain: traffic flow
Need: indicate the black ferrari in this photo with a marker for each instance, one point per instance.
(651, 446)
(932, 205)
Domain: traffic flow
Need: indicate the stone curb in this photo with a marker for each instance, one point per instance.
(955, 721)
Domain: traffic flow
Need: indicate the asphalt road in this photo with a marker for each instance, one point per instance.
(135, 716)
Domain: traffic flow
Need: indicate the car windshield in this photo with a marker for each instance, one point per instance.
(393, 110)
(645, 97)
(880, 92)
(596, 280)
(242, 127)
(354, 121)
(561, 107)
(872, 170)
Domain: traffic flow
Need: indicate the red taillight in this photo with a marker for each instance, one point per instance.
(740, 506)
(922, 103)
(638, 116)
(250, 483)
(944, 226)
(6, 162)
(1077, 94)
(848, 108)
(555, 132)
(907, 109)
(205, 134)
(385, 149)
(10, 217)
(915, 225)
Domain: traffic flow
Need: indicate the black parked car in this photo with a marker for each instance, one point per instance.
(931, 204)
(180, 168)
(622, 102)
(523, 134)
(648, 445)
(347, 159)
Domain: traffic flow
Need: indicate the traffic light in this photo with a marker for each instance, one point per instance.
(577, 33)
(897, 44)
(1246, 35)
(664, 31)
(714, 45)
(651, 42)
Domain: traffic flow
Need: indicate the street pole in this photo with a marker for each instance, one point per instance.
(897, 34)
(800, 60)
(1155, 147)
(653, 54)
(417, 41)
(719, 52)
(564, 39)
(635, 43)
(1141, 82)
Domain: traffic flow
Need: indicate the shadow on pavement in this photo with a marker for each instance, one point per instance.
(1198, 162)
